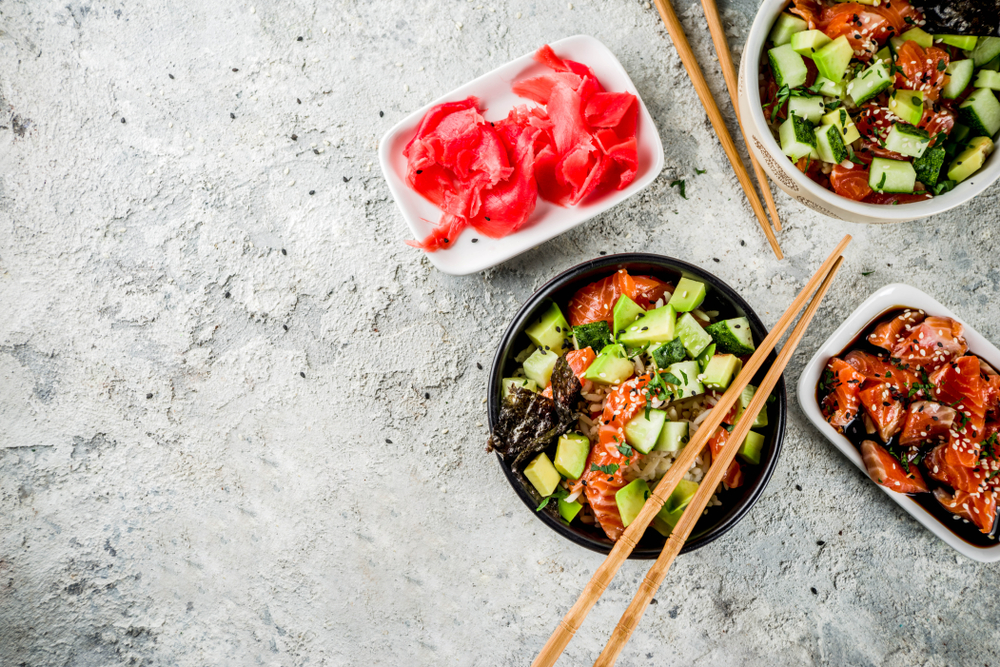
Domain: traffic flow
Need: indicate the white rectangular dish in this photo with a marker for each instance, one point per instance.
(885, 299)
(548, 220)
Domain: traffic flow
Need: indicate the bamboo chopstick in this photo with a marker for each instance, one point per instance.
(571, 622)
(647, 589)
(729, 74)
(680, 41)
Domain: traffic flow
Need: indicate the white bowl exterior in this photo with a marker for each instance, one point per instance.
(887, 298)
(548, 220)
(799, 186)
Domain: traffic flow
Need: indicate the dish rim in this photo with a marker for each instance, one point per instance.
(893, 295)
(612, 263)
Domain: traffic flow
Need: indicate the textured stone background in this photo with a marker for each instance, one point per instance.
(200, 361)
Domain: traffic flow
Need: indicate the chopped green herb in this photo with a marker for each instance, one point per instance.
(867, 273)
(558, 494)
(699, 171)
(680, 182)
(625, 450)
(609, 469)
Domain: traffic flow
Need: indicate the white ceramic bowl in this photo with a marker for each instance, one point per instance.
(885, 299)
(800, 187)
(548, 220)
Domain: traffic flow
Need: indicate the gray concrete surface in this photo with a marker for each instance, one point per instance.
(202, 364)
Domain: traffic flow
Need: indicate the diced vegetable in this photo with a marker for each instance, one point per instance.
(928, 166)
(692, 335)
(808, 42)
(569, 510)
(630, 500)
(833, 59)
(538, 367)
(721, 370)
(810, 108)
(907, 140)
(673, 437)
(733, 336)
(869, 83)
(987, 49)
(668, 353)
(959, 76)
(786, 26)
(971, 159)
(625, 313)
(688, 295)
(595, 335)
(550, 330)
(656, 326)
(542, 475)
(643, 431)
(611, 366)
(981, 113)
(988, 79)
(750, 450)
(507, 383)
(798, 139)
(830, 144)
(687, 373)
(891, 176)
(841, 120)
(571, 455)
(907, 104)
(964, 42)
(788, 67)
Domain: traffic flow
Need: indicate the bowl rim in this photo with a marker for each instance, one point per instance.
(886, 298)
(753, 49)
(616, 261)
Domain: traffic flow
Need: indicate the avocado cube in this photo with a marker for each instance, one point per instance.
(705, 357)
(611, 366)
(681, 496)
(907, 140)
(924, 39)
(928, 166)
(673, 437)
(749, 451)
(538, 367)
(720, 371)
(688, 382)
(841, 120)
(630, 499)
(643, 431)
(550, 330)
(832, 60)
(733, 336)
(625, 313)
(688, 295)
(692, 335)
(971, 159)
(507, 383)
(656, 326)
(668, 353)
(808, 42)
(571, 455)
(907, 104)
(786, 26)
(595, 335)
(542, 475)
(744, 401)
(569, 510)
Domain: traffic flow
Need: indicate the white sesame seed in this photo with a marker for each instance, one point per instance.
(291, 183)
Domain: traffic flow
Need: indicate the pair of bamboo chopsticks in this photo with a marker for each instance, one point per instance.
(701, 87)
(626, 543)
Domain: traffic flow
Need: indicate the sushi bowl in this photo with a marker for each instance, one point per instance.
(780, 169)
(736, 502)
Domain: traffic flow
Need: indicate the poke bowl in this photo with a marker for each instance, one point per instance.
(638, 400)
(942, 149)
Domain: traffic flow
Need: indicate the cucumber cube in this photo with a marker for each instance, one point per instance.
(891, 176)
(673, 437)
(988, 79)
(692, 335)
(656, 326)
(687, 374)
(928, 166)
(810, 108)
(797, 138)
(550, 330)
(788, 67)
(542, 475)
(971, 159)
(869, 83)
(538, 367)
(884, 55)
(808, 42)
(841, 120)
(625, 313)
(507, 383)
(907, 140)
(993, 65)
(642, 432)
(630, 500)
(705, 357)
(749, 451)
(760, 421)
(830, 88)
(571, 455)
(908, 105)
(665, 354)
(833, 59)
(981, 113)
(959, 76)
(924, 39)
(568, 511)
(688, 295)
(987, 49)
(786, 26)
(964, 42)
(830, 144)
(721, 370)
(595, 335)
(733, 336)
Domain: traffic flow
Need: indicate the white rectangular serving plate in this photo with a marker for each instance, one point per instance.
(885, 299)
(547, 220)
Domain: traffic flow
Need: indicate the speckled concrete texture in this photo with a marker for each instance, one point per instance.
(242, 422)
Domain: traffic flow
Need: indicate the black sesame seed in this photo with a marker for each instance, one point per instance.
(644, 329)
(346, 179)
(170, 75)
(813, 589)
(420, 171)
(312, 192)
(427, 395)
(235, 70)
(603, 253)
(149, 396)
(475, 240)
(381, 113)
(284, 252)
(479, 366)
(227, 295)
(295, 137)
(299, 38)
(716, 259)
(316, 151)
(123, 121)
(285, 326)
(302, 374)
(798, 487)
(298, 100)
(742, 242)
(446, 241)
(820, 542)
(388, 441)
(487, 219)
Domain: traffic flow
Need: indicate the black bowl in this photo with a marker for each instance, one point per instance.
(735, 502)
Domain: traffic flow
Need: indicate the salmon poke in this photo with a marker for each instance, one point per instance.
(869, 104)
(924, 411)
(611, 386)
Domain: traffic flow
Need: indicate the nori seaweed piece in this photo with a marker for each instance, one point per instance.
(961, 17)
(529, 422)
(594, 335)
(669, 353)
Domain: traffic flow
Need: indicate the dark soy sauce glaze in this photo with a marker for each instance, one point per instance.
(856, 433)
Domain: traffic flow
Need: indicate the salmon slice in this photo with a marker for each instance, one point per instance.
(931, 344)
(880, 369)
(942, 467)
(959, 384)
(840, 406)
(579, 361)
(978, 508)
(597, 300)
(884, 407)
(921, 69)
(734, 474)
(885, 470)
(605, 472)
(888, 333)
(926, 420)
(649, 290)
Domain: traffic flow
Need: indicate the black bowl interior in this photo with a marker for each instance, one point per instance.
(735, 502)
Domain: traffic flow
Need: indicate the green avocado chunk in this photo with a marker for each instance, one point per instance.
(656, 326)
(688, 295)
(692, 335)
(749, 451)
(550, 330)
(630, 499)
(625, 314)
(610, 367)
(571, 455)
